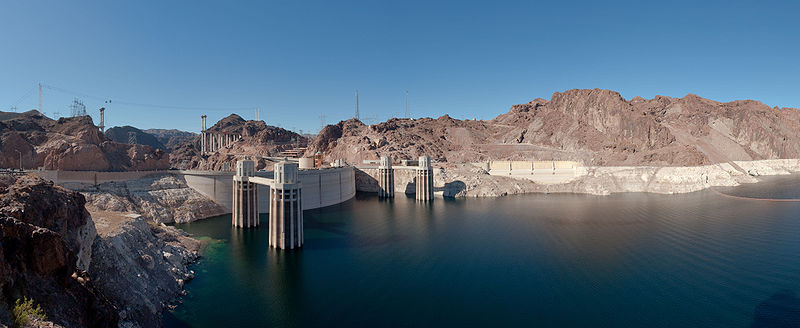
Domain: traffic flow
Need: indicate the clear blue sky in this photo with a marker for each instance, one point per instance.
(299, 59)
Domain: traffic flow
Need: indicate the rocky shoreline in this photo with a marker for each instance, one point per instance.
(93, 266)
(140, 265)
(467, 180)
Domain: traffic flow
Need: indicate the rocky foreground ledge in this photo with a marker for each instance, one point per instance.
(104, 269)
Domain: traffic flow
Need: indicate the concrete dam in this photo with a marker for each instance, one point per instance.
(321, 187)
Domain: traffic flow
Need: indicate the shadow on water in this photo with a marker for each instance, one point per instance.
(344, 236)
(780, 310)
(411, 187)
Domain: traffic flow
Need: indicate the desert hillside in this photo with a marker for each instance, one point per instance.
(70, 143)
(171, 138)
(259, 140)
(597, 127)
(131, 135)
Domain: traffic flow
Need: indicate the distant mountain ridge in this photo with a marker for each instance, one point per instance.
(595, 126)
(131, 135)
(171, 138)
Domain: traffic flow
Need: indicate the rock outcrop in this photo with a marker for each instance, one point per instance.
(140, 265)
(596, 127)
(161, 198)
(73, 143)
(46, 236)
(258, 140)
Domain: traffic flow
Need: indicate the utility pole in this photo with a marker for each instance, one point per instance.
(358, 116)
(20, 159)
(40, 99)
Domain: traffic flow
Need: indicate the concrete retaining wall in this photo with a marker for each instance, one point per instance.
(92, 177)
(531, 165)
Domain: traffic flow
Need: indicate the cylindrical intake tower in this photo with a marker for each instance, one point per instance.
(424, 179)
(385, 178)
(286, 208)
(245, 196)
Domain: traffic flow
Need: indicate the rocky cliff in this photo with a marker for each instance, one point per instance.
(161, 198)
(73, 143)
(95, 268)
(46, 238)
(258, 140)
(593, 126)
(140, 265)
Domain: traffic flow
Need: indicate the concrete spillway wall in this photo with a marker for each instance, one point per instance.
(321, 187)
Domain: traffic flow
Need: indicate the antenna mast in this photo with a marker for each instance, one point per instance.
(408, 115)
(40, 99)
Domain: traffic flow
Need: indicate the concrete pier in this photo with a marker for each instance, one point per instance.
(245, 196)
(424, 182)
(386, 178)
(286, 208)
(214, 141)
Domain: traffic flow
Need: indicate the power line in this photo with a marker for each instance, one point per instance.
(26, 95)
(138, 104)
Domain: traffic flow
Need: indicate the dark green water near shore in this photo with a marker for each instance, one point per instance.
(625, 260)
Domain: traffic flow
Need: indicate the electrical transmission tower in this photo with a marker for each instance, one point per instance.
(321, 122)
(358, 115)
(77, 108)
(132, 138)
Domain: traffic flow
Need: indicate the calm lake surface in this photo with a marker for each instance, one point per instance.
(625, 260)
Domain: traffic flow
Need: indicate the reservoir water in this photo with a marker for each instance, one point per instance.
(626, 260)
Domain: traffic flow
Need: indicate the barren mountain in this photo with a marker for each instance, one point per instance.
(597, 127)
(131, 135)
(171, 138)
(259, 140)
(73, 143)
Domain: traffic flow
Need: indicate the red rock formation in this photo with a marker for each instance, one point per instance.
(40, 235)
(70, 144)
(258, 139)
(595, 126)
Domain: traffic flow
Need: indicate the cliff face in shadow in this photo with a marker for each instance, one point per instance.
(45, 247)
(73, 143)
(131, 135)
(593, 126)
